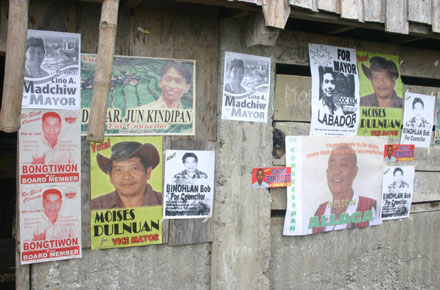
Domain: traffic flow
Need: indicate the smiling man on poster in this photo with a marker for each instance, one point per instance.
(337, 213)
(129, 169)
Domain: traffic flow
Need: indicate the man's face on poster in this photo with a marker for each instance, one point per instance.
(52, 205)
(129, 177)
(341, 171)
(398, 176)
(260, 175)
(418, 110)
(51, 129)
(383, 84)
(390, 151)
(173, 85)
(190, 164)
(237, 73)
(328, 85)
(34, 56)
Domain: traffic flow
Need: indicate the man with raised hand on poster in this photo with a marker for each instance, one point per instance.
(346, 206)
(382, 74)
(129, 169)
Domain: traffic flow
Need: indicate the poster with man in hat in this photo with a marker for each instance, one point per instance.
(381, 91)
(126, 192)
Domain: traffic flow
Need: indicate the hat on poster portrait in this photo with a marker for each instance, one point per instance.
(35, 41)
(125, 150)
(380, 63)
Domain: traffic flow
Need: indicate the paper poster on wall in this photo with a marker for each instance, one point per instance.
(50, 147)
(246, 84)
(437, 122)
(397, 190)
(148, 96)
(398, 152)
(418, 120)
(50, 222)
(52, 70)
(126, 192)
(336, 183)
(189, 184)
(335, 90)
(381, 91)
(271, 177)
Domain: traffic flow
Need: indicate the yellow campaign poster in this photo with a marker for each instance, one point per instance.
(126, 192)
(381, 94)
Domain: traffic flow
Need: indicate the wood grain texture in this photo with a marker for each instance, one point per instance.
(276, 13)
(85, 193)
(330, 6)
(257, 33)
(419, 11)
(352, 9)
(307, 4)
(374, 10)
(396, 16)
(435, 16)
(3, 24)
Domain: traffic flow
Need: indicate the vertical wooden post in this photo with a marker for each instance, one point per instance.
(14, 65)
(103, 72)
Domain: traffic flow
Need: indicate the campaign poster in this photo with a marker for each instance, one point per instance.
(50, 147)
(397, 190)
(148, 96)
(381, 92)
(246, 84)
(418, 120)
(335, 90)
(336, 183)
(271, 177)
(437, 123)
(126, 192)
(52, 70)
(189, 184)
(398, 152)
(50, 222)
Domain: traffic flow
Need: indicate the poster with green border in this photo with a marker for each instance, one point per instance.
(377, 116)
(118, 227)
(148, 96)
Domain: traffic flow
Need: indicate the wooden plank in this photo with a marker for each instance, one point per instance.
(292, 48)
(352, 9)
(329, 6)
(257, 33)
(3, 24)
(426, 186)
(425, 207)
(435, 16)
(182, 32)
(88, 19)
(307, 4)
(374, 10)
(85, 193)
(191, 231)
(53, 15)
(419, 11)
(396, 16)
(276, 13)
(292, 98)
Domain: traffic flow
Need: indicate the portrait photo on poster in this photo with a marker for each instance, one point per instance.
(189, 184)
(397, 191)
(246, 83)
(335, 90)
(52, 70)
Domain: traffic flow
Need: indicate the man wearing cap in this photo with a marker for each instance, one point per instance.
(129, 169)
(34, 58)
(50, 226)
(236, 73)
(382, 74)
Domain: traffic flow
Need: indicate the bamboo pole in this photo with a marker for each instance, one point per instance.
(101, 84)
(14, 66)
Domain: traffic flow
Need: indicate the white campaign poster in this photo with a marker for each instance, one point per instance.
(336, 183)
(246, 86)
(189, 184)
(335, 90)
(52, 70)
(50, 187)
(397, 190)
(418, 119)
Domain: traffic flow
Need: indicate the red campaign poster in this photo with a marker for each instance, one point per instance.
(271, 177)
(398, 152)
